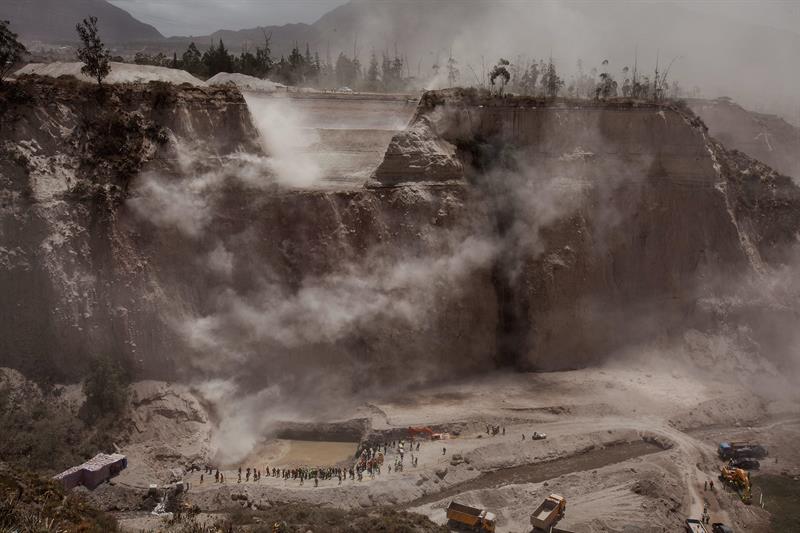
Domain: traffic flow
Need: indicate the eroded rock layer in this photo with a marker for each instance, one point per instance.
(495, 232)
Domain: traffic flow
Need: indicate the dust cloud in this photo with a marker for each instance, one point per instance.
(186, 200)
(285, 139)
(276, 350)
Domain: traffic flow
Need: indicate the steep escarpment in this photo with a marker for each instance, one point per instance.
(495, 232)
(324, 290)
(143, 223)
(74, 284)
(613, 217)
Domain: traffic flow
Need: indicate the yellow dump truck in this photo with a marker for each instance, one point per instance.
(549, 512)
(464, 516)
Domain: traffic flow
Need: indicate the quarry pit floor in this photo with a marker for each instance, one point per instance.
(629, 447)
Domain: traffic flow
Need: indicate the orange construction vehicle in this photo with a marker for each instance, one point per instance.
(549, 513)
(465, 517)
(414, 431)
(738, 479)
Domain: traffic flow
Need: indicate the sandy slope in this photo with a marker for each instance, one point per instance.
(245, 82)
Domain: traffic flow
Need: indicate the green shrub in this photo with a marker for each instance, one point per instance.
(106, 390)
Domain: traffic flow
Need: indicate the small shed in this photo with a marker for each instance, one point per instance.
(93, 472)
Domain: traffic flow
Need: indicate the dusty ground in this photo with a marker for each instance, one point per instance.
(289, 453)
(628, 447)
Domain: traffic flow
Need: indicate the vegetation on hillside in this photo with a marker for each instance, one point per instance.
(105, 389)
(29, 504)
(11, 50)
(93, 52)
(44, 433)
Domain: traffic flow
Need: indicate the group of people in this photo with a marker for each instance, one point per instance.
(493, 429)
(219, 477)
(706, 517)
(255, 472)
(369, 461)
(304, 473)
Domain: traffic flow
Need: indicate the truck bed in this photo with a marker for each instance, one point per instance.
(466, 509)
(544, 511)
(695, 526)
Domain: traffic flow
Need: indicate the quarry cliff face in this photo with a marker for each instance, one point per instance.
(75, 282)
(495, 232)
(643, 213)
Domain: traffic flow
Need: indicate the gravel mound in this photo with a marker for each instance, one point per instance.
(245, 82)
(120, 73)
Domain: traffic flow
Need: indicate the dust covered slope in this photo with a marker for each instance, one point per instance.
(74, 283)
(768, 138)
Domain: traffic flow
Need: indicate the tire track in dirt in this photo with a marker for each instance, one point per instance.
(538, 472)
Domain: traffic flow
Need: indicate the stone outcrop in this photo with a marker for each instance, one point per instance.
(418, 154)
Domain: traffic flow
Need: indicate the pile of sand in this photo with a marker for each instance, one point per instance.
(120, 73)
(245, 82)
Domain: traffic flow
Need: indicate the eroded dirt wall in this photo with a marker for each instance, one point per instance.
(530, 236)
(659, 214)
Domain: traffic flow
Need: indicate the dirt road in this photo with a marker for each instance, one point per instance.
(596, 420)
(534, 473)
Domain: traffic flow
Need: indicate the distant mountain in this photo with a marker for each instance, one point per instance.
(751, 63)
(54, 21)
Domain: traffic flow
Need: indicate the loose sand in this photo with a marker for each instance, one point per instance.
(616, 448)
(120, 73)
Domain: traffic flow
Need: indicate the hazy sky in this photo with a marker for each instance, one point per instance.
(200, 17)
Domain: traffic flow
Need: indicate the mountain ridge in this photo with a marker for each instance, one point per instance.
(54, 21)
